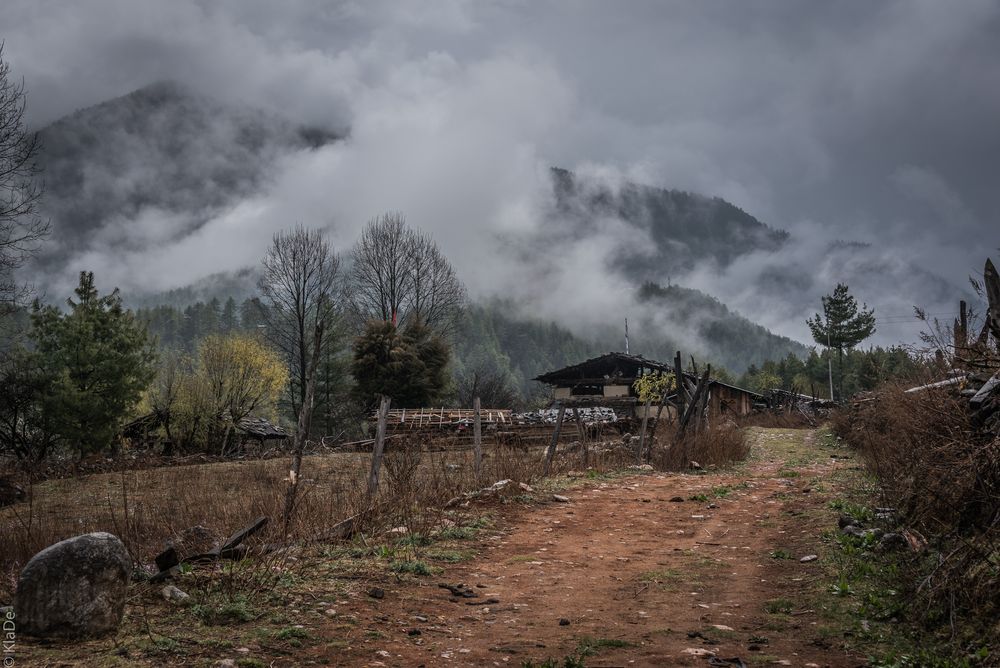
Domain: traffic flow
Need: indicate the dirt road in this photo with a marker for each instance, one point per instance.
(646, 570)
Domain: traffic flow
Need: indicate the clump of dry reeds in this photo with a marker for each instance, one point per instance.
(716, 446)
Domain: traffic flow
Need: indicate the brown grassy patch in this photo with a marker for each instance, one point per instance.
(146, 507)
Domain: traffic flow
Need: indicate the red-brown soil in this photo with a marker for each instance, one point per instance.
(635, 574)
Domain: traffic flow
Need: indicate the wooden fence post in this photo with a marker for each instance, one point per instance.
(991, 283)
(681, 389)
(583, 435)
(555, 439)
(477, 435)
(379, 448)
(693, 405)
(642, 432)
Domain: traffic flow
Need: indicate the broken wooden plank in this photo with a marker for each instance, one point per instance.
(954, 380)
(986, 390)
(242, 535)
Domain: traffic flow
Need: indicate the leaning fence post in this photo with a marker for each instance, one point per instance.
(555, 439)
(477, 435)
(379, 448)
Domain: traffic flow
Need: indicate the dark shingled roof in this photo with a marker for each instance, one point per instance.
(606, 366)
(260, 428)
(598, 367)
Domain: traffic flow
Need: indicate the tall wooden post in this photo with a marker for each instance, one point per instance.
(642, 432)
(693, 406)
(991, 283)
(302, 428)
(656, 425)
(681, 389)
(379, 449)
(555, 439)
(582, 432)
(477, 435)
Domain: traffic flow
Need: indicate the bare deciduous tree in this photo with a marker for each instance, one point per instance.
(302, 289)
(436, 293)
(21, 229)
(301, 286)
(490, 384)
(400, 274)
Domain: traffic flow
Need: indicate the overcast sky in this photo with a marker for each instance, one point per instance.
(877, 121)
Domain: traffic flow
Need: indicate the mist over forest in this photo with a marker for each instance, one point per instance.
(324, 320)
(715, 229)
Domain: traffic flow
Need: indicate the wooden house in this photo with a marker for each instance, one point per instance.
(608, 381)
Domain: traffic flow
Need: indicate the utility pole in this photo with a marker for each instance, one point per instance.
(829, 355)
(626, 336)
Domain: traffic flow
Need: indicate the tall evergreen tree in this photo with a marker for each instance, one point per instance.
(101, 359)
(842, 326)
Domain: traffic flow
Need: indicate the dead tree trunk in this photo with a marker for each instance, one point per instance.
(379, 448)
(302, 428)
(555, 439)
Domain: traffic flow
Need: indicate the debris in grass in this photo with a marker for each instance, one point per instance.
(459, 590)
(173, 594)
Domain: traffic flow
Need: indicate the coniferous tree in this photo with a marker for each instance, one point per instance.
(100, 358)
(408, 366)
(842, 326)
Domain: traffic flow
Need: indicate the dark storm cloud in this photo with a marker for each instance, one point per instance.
(849, 120)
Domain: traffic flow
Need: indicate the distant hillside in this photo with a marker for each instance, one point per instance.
(164, 148)
(708, 328)
(150, 167)
(678, 319)
(685, 227)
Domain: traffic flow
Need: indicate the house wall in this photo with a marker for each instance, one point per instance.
(668, 415)
(616, 390)
(562, 393)
(735, 402)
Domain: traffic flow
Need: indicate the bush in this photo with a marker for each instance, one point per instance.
(942, 478)
(716, 446)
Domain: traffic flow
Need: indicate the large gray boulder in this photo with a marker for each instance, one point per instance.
(75, 588)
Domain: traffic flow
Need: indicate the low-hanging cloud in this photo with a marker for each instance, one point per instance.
(846, 122)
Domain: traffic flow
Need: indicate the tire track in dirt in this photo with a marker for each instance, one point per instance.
(634, 573)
